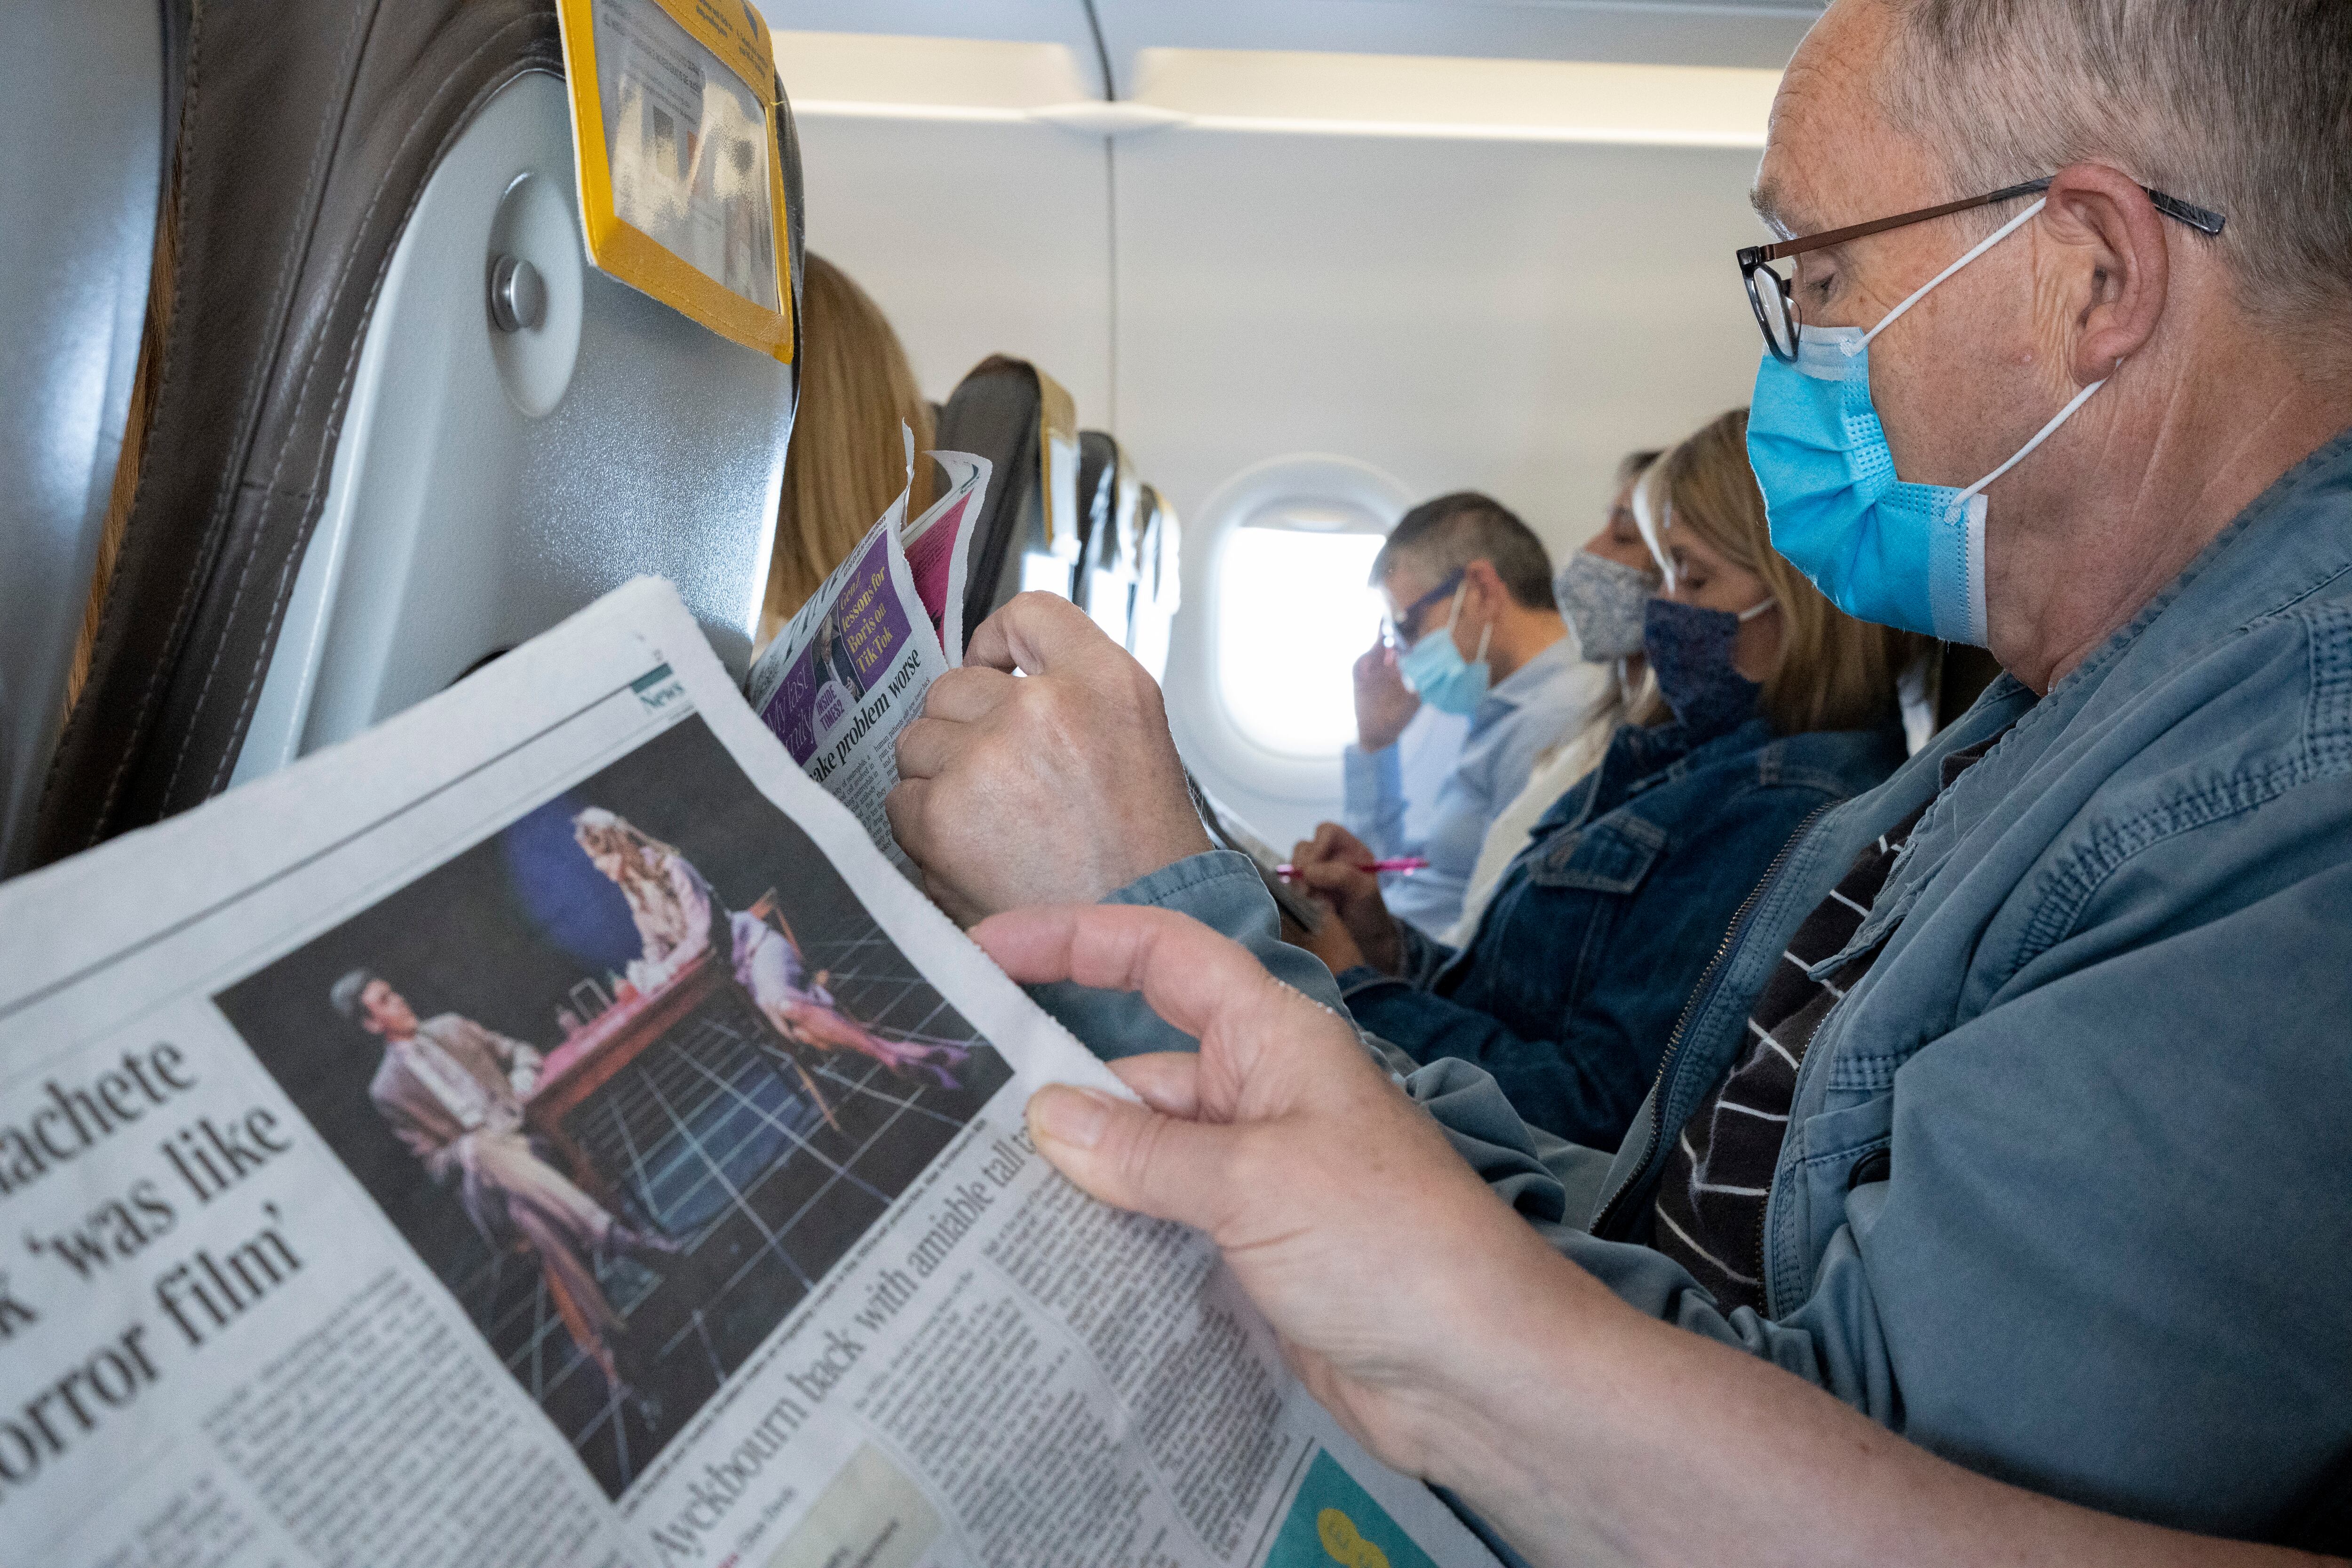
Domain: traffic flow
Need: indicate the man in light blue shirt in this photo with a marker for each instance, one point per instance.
(1474, 630)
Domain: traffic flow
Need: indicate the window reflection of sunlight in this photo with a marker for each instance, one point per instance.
(1293, 612)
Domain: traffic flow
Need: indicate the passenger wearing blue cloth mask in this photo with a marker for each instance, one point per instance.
(1772, 705)
(1473, 631)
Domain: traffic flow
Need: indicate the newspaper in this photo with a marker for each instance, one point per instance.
(939, 546)
(536, 1133)
(849, 671)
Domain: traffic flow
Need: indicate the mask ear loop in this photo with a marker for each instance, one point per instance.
(1455, 613)
(1975, 531)
(1767, 603)
(1851, 346)
(1653, 530)
(2039, 435)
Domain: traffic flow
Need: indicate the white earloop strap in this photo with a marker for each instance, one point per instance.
(1987, 243)
(2040, 435)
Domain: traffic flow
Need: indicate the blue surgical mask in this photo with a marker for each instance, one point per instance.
(1878, 548)
(1437, 672)
(1690, 654)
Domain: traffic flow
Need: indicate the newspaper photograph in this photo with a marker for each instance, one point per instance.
(537, 1133)
(568, 1049)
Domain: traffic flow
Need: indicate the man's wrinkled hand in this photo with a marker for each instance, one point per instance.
(1384, 704)
(1341, 1209)
(1330, 866)
(1059, 786)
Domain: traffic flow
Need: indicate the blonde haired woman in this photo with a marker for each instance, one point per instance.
(672, 906)
(1771, 704)
(848, 458)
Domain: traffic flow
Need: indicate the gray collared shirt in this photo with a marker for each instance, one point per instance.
(1544, 700)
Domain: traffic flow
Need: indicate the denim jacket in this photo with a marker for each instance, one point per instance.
(2105, 1057)
(1601, 925)
(2066, 1193)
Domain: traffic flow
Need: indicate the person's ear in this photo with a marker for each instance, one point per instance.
(2113, 240)
(1486, 586)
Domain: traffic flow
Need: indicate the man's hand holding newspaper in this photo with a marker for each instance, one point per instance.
(959, 762)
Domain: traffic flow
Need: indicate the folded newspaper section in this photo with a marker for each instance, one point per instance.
(939, 546)
(538, 1132)
(849, 671)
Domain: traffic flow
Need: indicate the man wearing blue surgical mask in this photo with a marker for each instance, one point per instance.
(2010, 1113)
(1473, 631)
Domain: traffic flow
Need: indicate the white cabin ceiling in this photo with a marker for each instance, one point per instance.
(1757, 34)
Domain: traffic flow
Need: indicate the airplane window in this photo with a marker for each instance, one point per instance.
(1293, 612)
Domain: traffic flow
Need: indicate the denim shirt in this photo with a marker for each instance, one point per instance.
(1601, 925)
(2105, 1053)
(2066, 1193)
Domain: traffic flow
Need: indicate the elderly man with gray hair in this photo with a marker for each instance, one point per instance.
(2012, 1117)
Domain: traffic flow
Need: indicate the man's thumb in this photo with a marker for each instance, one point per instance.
(1129, 1155)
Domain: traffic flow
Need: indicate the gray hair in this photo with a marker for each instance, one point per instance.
(1448, 533)
(2242, 108)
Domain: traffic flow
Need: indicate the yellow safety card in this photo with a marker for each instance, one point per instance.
(674, 134)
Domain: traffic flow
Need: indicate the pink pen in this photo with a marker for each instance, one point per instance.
(1400, 863)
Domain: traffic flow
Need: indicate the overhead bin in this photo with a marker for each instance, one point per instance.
(1020, 419)
(402, 423)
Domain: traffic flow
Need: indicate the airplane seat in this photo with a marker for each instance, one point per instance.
(83, 108)
(1097, 497)
(1158, 591)
(1104, 582)
(401, 423)
(1016, 417)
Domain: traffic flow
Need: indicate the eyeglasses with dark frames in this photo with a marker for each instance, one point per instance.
(1774, 299)
(1403, 631)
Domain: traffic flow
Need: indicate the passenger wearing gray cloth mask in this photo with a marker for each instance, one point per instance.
(1603, 593)
(2059, 1194)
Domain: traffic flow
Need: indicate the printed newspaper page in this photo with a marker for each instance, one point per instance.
(537, 1133)
(848, 672)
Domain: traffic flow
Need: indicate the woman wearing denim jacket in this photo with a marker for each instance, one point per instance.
(1772, 704)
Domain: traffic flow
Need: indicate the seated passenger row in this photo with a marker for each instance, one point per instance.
(2005, 1115)
(2000, 1110)
(1762, 705)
